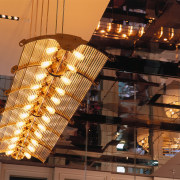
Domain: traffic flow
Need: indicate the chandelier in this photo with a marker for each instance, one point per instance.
(52, 78)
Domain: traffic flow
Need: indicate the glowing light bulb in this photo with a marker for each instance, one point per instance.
(17, 132)
(12, 146)
(50, 110)
(124, 35)
(51, 50)
(16, 18)
(3, 16)
(40, 77)
(46, 119)
(14, 139)
(9, 152)
(34, 142)
(28, 156)
(71, 68)
(39, 135)
(41, 127)
(24, 115)
(55, 100)
(9, 17)
(28, 107)
(20, 124)
(60, 91)
(32, 97)
(46, 64)
(172, 112)
(66, 80)
(78, 55)
(35, 87)
(102, 31)
(170, 109)
(32, 149)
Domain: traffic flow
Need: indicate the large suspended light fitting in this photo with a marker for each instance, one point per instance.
(52, 78)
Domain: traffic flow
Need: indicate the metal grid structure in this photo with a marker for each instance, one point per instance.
(48, 87)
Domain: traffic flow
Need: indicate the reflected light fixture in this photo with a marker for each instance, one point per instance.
(34, 117)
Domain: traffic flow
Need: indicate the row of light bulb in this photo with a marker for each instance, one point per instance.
(9, 17)
(31, 98)
(119, 29)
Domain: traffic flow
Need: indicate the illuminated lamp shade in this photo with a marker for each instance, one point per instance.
(14, 139)
(32, 97)
(35, 87)
(50, 110)
(60, 91)
(71, 68)
(65, 80)
(38, 134)
(20, 124)
(28, 107)
(40, 77)
(17, 132)
(46, 64)
(32, 149)
(46, 119)
(34, 142)
(9, 152)
(41, 127)
(55, 100)
(24, 115)
(51, 50)
(12, 146)
(28, 156)
(78, 55)
(53, 118)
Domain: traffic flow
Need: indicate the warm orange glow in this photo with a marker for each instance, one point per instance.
(32, 149)
(28, 107)
(34, 142)
(17, 132)
(46, 119)
(119, 29)
(71, 68)
(38, 135)
(51, 50)
(130, 30)
(24, 115)
(109, 27)
(98, 26)
(41, 127)
(66, 80)
(28, 156)
(124, 35)
(46, 64)
(12, 146)
(78, 55)
(35, 87)
(55, 100)
(32, 97)
(9, 152)
(60, 91)
(20, 124)
(40, 77)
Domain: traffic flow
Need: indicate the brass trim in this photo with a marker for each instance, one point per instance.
(66, 41)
